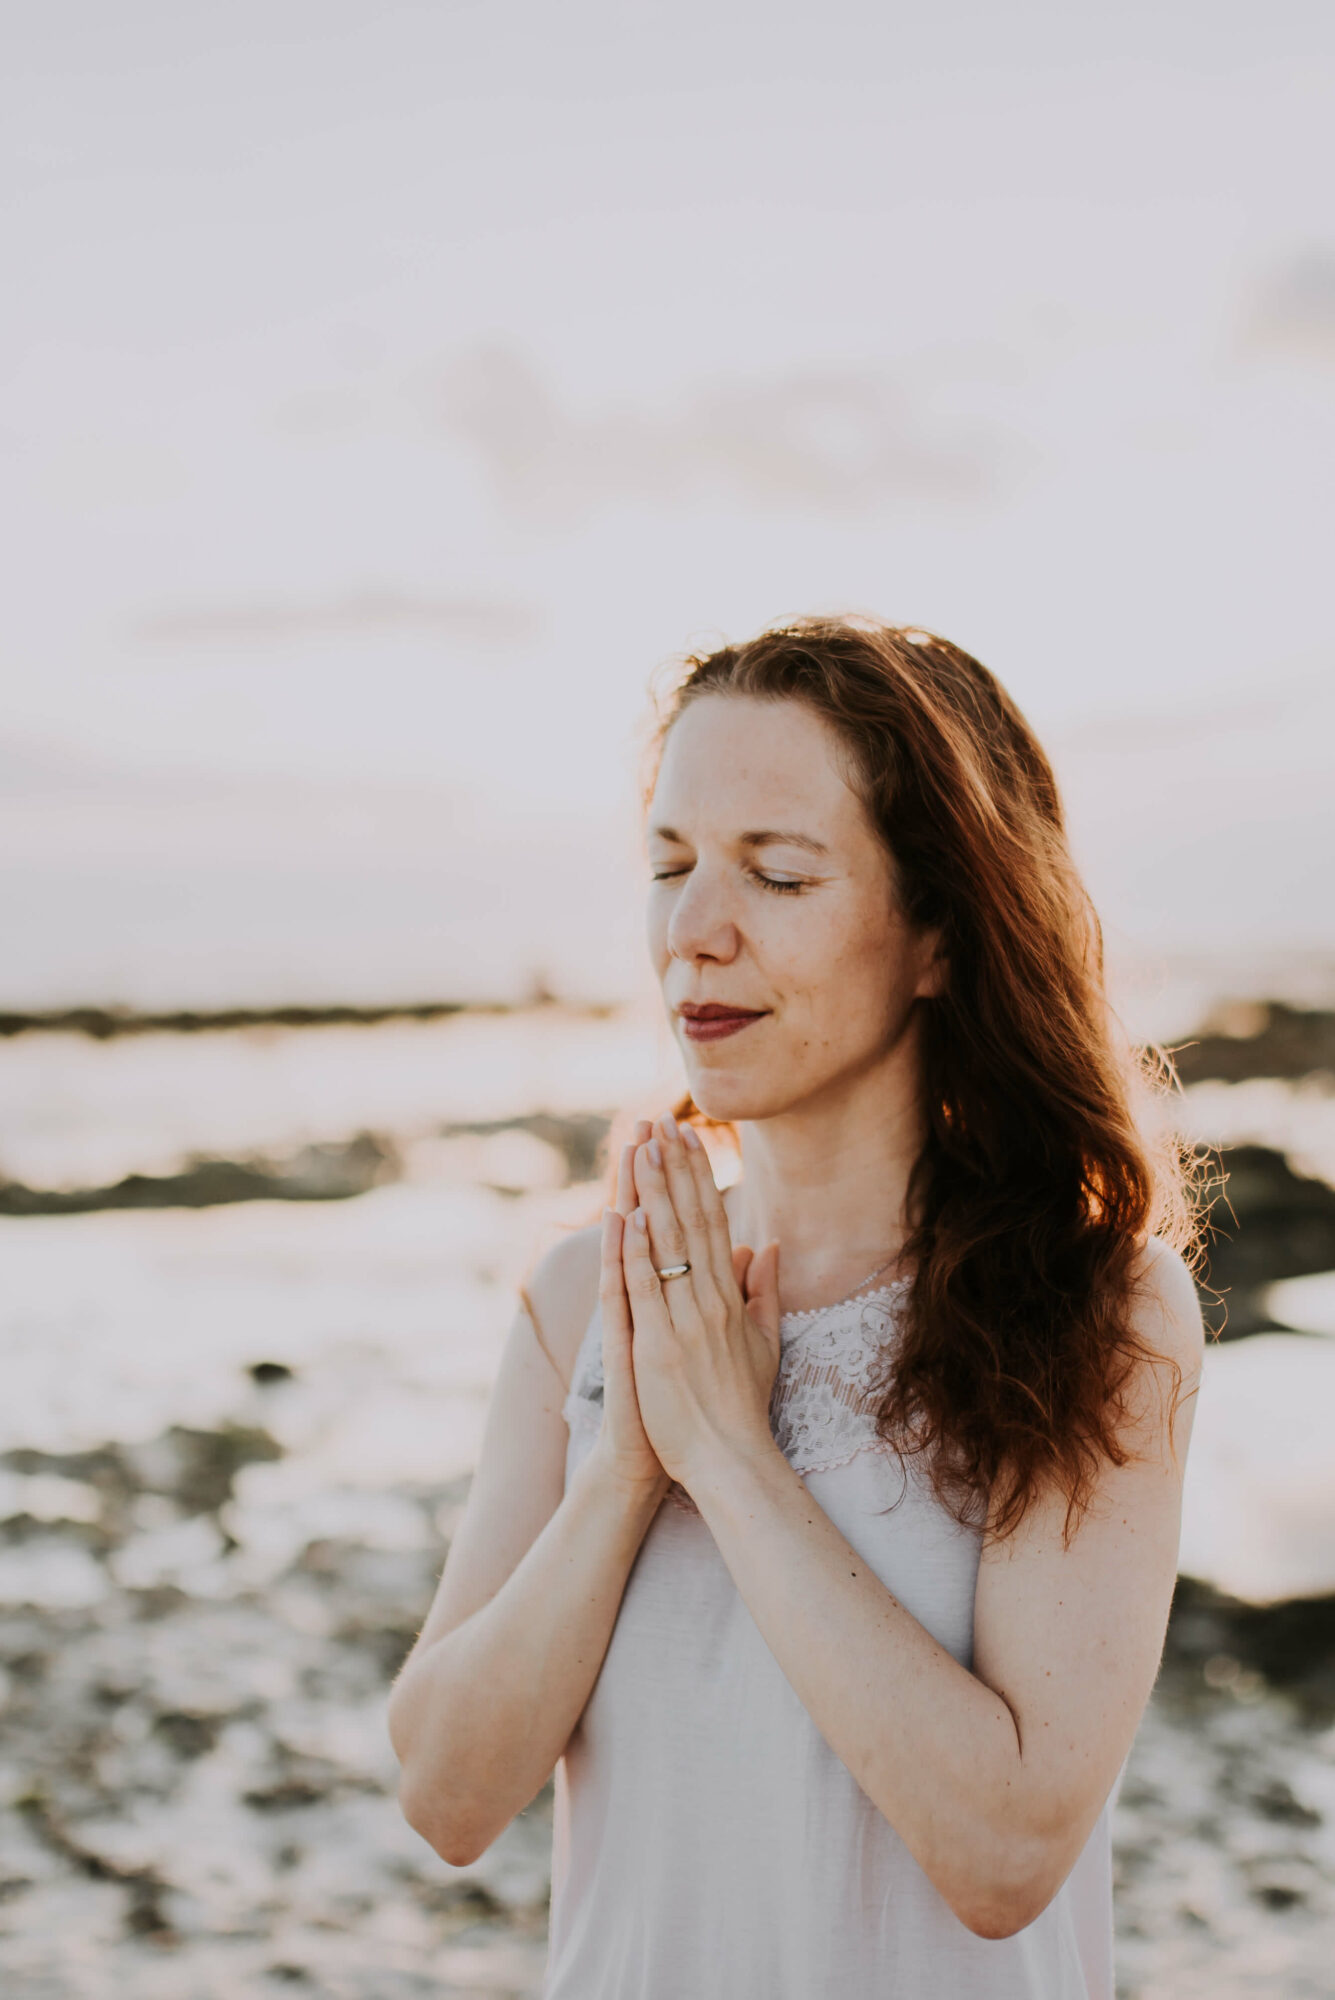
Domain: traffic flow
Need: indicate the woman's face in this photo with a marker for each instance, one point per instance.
(787, 967)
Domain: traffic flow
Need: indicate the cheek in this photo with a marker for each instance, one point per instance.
(656, 929)
(851, 977)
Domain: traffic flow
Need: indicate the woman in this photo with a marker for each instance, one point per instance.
(832, 1577)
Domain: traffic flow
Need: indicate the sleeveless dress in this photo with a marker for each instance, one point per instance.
(708, 1844)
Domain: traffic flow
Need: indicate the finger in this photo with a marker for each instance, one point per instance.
(667, 1238)
(741, 1260)
(625, 1182)
(626, 1196)
(684, 1195)
(711, 1207)
(762, 1290)
(612, 1280)
(648, 1307)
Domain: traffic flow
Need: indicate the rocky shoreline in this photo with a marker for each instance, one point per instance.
(199, 1623)
(104, 1024)
(201, 1794)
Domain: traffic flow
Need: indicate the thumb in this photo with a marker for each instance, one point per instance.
(762, 1290)
(741, 1264)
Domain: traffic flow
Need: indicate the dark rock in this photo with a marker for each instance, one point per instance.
(1260, 1038)
(104, 1024)
(1277, 1895)
(1265, 1222)
(188, 1735)
(456, 1898)
(332, 1172)
(104, 1468)
(1291, 1646)
(1275, 1801)
(265, 1372)
(143, 1913)
(580, 1136)
(20, 1528)
(107, 1023)
(197, 1468)
(288, 1795)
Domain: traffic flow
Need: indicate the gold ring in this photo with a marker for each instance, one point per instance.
(674, 1271)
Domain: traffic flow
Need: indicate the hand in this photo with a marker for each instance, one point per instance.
(706, 1344)
(622, 1445)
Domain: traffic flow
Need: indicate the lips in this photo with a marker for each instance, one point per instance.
(712, 1021)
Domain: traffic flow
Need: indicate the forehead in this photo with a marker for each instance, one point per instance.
(734, 762)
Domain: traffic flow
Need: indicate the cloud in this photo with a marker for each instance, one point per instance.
(1294, 309)
(475, 621)
(837, 440)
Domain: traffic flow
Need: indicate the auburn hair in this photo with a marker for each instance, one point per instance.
(1039, 1181)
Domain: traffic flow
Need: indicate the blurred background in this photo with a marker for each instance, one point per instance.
(388, 392)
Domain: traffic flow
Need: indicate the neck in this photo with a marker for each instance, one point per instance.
(828, 1180)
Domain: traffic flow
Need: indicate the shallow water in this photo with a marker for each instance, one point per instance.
(207, 1579)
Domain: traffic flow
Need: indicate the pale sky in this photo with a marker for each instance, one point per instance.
(389, 388)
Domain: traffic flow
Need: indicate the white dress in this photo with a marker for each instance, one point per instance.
(708, 1843)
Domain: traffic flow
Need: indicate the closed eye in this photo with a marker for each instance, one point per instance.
(781, 885)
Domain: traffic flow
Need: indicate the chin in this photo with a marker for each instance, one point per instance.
(734, 1099)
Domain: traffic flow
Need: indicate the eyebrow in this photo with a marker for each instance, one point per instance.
(766, 836)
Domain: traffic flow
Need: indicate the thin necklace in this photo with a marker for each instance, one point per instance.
(872, 1274)
(805, 1312)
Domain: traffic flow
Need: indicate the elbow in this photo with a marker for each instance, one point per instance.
(997, 1917)
(1006, 1898)
(442, 1812)
(426, 1814)
(422, 1798)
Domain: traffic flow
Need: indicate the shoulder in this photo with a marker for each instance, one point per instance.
(561, 1292)
(1165, 1312)
(1166, 1304)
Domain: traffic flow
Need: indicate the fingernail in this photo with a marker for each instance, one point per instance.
(669, 1125)
(655, 1152)
(640, 1219)
(692, 1138)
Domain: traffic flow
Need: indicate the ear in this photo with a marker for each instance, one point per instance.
(933, 967)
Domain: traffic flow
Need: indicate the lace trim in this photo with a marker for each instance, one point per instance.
(857, 1298)
(834, 1368)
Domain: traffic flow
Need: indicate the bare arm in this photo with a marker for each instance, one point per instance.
(993, 1777)
(491, 1692)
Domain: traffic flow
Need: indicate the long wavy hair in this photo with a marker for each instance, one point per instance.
(1040, 1177)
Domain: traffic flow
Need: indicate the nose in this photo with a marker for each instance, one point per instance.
(701, 925)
